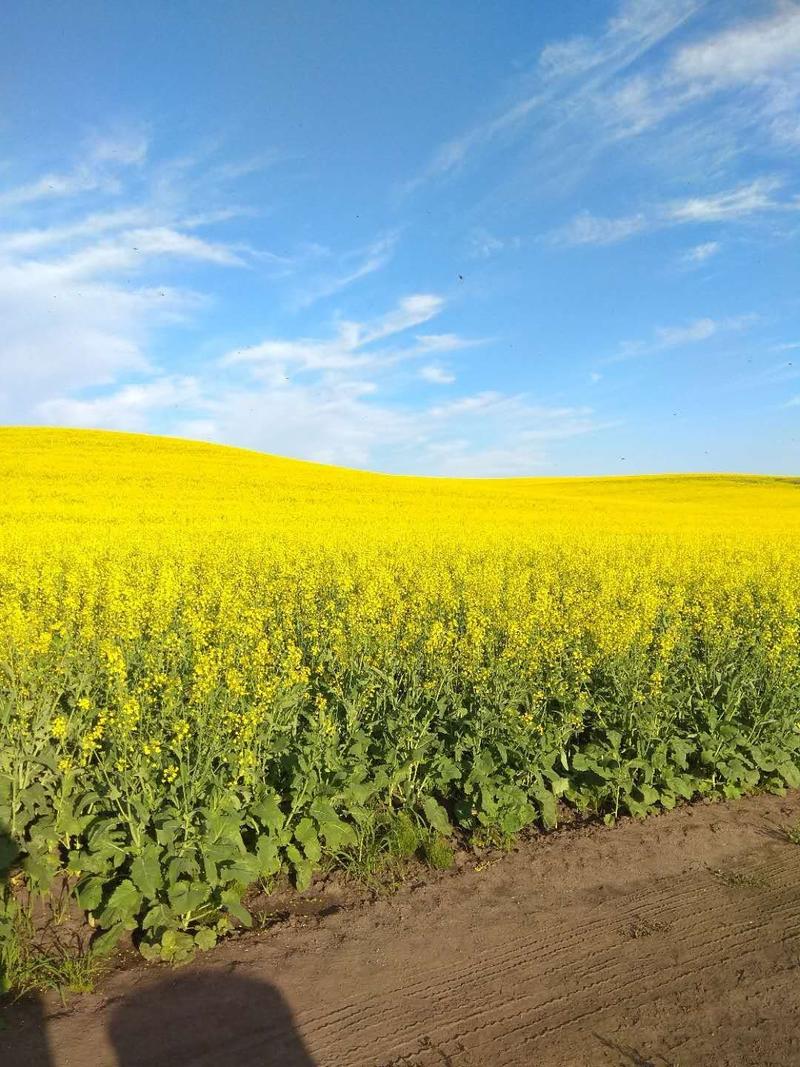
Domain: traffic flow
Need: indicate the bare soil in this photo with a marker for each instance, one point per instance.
(670, 942)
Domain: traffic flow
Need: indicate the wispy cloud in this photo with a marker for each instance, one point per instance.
(588, 229)
(702, 252)
(567, 78)
(749, 199)
(353, 343)
(131, 407)
(743, 51)
(438, 375)
(684, 90)
(493, 434)
(98, 169)
(754, 198)
(82, 290)
(352, 267)
(483, 244)
(446, 342)
(682, 336)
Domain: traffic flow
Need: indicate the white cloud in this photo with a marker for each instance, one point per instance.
(126, 148)
(62, 332)
(52, 186)
(672, 336)
(482, 244)
(691, 333)
(301, 354)
(36, 240)
(723, 89)
(735, 203)
(432, 372)
(80, 298)
(570, 76)
(353, 266)
(587, 229)
(744, 51)
(411, 311)
(128, 408)
(728, 205)
(82, 294)
(491, 434)
(445, 342)
(164, 241)
(98, 170)
(456, 459)
(700, 253)
(347, 348)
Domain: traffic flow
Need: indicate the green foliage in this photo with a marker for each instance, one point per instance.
(439, 852)
(169, 863)
(27, 965)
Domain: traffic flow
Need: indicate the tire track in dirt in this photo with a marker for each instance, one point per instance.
(589, 974)
(591, 978)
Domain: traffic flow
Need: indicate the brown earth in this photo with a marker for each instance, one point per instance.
(670, 942)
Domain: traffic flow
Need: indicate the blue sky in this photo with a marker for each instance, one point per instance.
(453, 238)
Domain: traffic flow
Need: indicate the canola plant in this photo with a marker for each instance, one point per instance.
(217, 665)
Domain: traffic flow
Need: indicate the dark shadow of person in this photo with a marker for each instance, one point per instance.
(23, 1032)
(208, 1019)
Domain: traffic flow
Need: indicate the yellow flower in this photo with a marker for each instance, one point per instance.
(59, 727)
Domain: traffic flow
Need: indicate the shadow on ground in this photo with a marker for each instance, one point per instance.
(206, 1019)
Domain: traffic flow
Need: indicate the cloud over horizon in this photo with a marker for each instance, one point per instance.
(529, 272)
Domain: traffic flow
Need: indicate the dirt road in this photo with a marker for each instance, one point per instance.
(672, 942)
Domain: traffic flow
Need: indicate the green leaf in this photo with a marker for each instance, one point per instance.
(306, 833)
(108, 940)
(244, 869)
(158, 918)
(303, 868)
(268, 813)
(150, 951)
(89, 892)
(517, 817)
(269, 861)
(123, 904)
(205, 938)
(232, 902)
(436, 816)
(41, 867)
(558, 784)
(177, 947)
(548, 808)
(681, 785)
(448, 771)
(186, 897)
(146, 872)
(790, 774)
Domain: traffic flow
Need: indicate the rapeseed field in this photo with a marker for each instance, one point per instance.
(216, 666)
